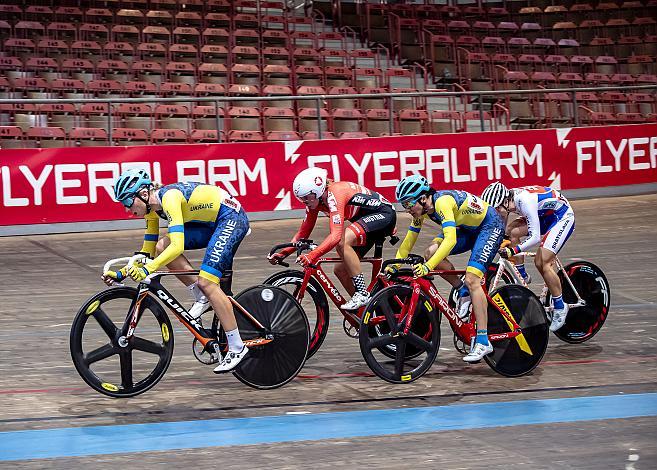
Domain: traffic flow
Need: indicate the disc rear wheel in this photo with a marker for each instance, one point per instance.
(513, 357)
(583, 322)
(284, 336)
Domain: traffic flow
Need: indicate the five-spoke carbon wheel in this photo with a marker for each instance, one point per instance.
(273, 363)
(108, 362)
(383, 327)
(517, 356)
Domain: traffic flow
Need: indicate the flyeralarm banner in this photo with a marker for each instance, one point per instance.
(75, 184)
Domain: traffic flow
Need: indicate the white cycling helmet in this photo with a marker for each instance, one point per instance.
(311, 180)
(495, 194)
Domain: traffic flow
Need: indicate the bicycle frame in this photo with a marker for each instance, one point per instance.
(465, 330)
(333, 293)
(506, 265)
(153, 285)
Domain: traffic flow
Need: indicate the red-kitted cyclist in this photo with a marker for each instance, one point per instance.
(371, 218)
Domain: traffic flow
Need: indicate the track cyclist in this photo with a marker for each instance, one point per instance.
(544, 212)
(372, 218)
(199, 216)
(467, 223)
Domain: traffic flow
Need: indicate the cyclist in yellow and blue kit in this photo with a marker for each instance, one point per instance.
(468, 223)
(199, 216)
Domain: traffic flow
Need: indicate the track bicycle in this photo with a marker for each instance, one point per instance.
(517, 326)
(585, 290)
(123, 355)
(314, 282)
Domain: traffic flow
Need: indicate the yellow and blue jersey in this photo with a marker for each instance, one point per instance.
(198, 216)
(463, 217)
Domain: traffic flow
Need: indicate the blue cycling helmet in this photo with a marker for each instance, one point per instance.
(128, 184)
(410, 188)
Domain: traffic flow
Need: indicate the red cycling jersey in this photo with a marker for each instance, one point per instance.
(339, 206)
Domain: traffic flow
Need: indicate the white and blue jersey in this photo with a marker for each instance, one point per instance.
(548, 215)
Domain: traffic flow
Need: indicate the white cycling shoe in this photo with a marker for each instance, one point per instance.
(231, 360)
(200, 307)
(559, 317)
(478, 352)
(357, 301)
(463, 307)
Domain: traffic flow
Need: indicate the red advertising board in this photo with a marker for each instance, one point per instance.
(75, 184)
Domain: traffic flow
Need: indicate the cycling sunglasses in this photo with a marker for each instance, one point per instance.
(409, 204)
(128, 202)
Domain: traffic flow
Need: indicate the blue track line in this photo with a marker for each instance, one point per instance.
(83, 441)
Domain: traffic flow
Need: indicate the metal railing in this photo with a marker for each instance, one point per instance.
(470, 96)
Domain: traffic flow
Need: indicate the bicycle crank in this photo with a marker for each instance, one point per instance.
(348, 328)
(460, 345)
(202, 354)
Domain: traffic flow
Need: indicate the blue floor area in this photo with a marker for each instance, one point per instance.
(71, 442)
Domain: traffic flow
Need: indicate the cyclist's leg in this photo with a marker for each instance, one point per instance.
(488, 241)
(358, 239)
(230, 230)
(553, 241)
(517, 229)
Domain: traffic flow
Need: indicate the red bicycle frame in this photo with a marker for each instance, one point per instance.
(333, 293)
(464, 330)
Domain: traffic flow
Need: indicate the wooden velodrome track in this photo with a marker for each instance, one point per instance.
(44, 280)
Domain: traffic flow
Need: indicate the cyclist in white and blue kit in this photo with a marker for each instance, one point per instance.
(546, 218)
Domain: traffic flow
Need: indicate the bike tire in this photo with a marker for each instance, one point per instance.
(421, 327)
(291, 281)
(402, 369)
(517, 356)
(86, 336)
(582, 323)
(273, 364)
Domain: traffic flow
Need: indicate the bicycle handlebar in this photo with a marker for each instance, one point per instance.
(300, 245)
(410, 260)
(129, 260)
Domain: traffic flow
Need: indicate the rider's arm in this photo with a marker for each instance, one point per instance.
(445, 206)
(527, 206)
(172, 206)
(305, 230)
(152, 234)
(410, 238)
(337, 208)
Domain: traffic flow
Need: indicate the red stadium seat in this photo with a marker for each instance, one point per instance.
(87, 137)
(199, 136)
(123, 136)
(244, 118)
(413, 121)
(377, 122)
(309, 121)
(169, 136)
(278, 119)
(245, 136)
(11, 137)
(282, 135)
(347, 120)
(46, 137)
(62, 115)
(314, 135)
(353, 135)
(175, 89)
(207, 117)
(446, 122)
(134, 116)
(94, 114)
